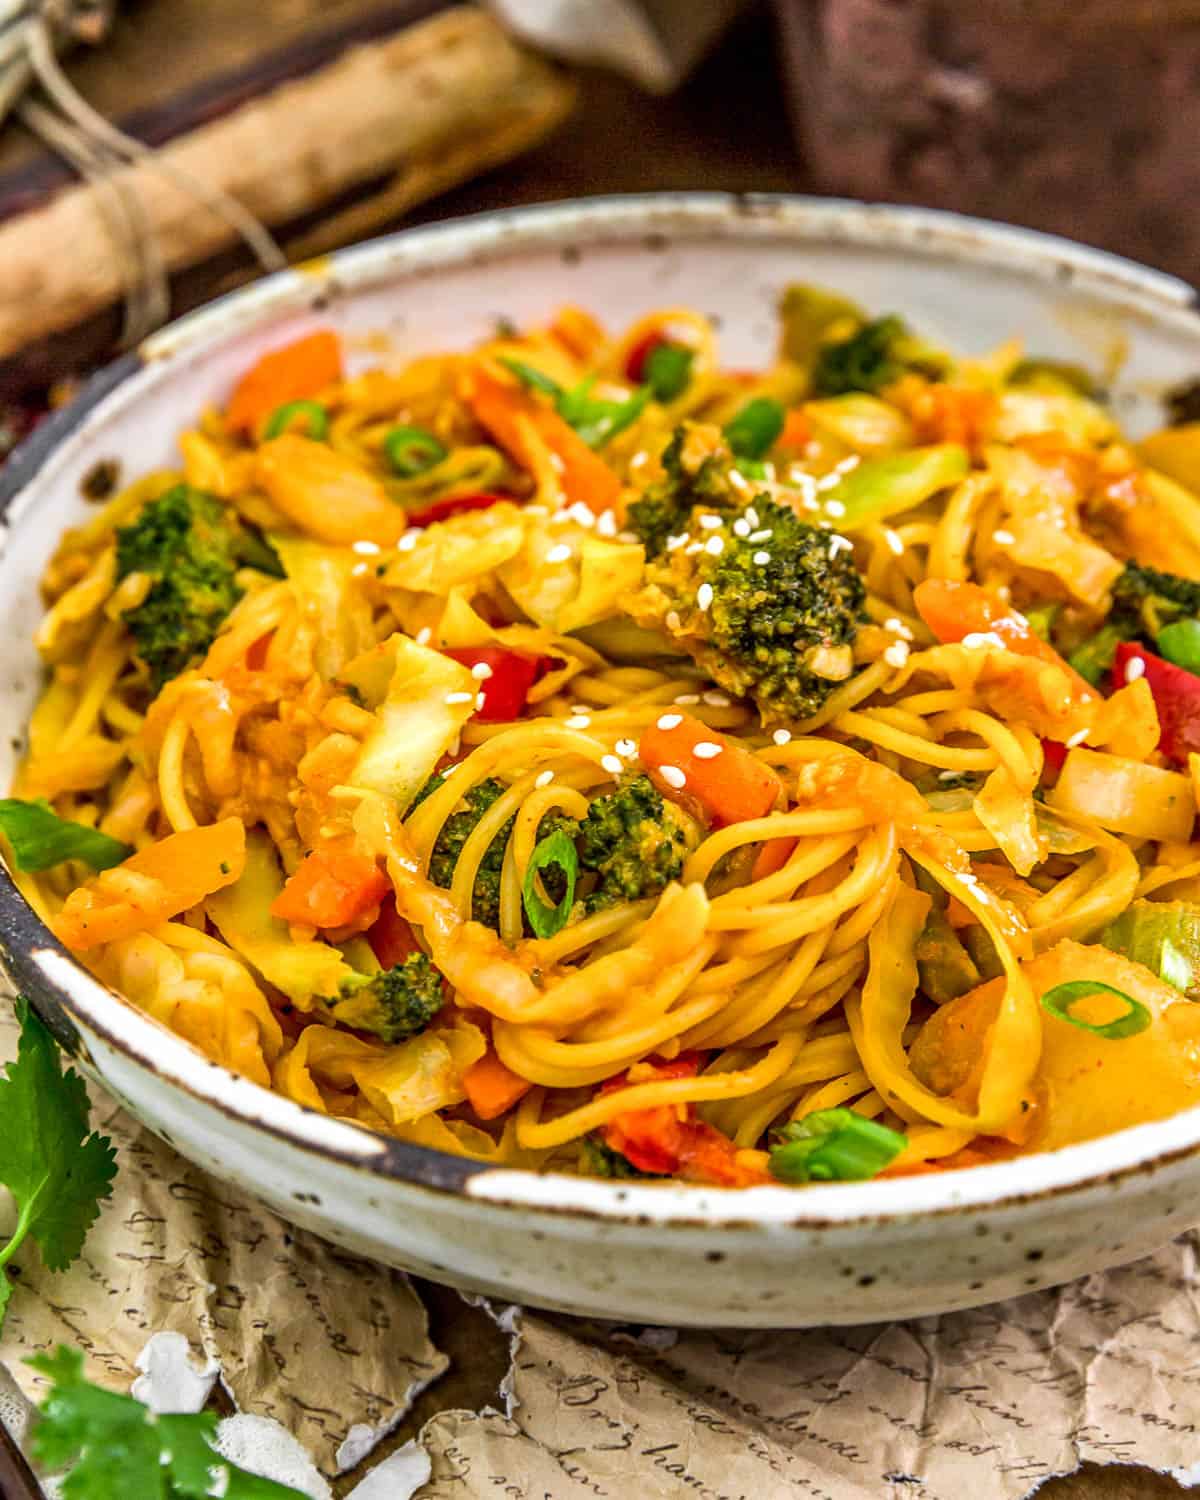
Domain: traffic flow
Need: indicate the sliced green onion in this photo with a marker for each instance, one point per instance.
(530, 376)
(412, 450)
(1180, 643)
(668, 369)
(755, 428)
(834, 1145)
(310, 414)
(40, 839)
(1058, 1002)
(555, 849)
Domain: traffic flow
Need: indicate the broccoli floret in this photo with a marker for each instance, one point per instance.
(456, 830)
(695, 466)
(395, 1004)
(1144, 600)
(866, 361)
(190, 545)
(769, 608)
(633, 841)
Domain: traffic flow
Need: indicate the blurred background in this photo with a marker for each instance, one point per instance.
(326, 121)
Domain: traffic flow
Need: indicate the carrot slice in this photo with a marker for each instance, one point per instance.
(771, 857)
(296, 371)
(508, 413)
(330, 888)
(729, 783)
(954, 610)
(153, 885)
(491, 1087)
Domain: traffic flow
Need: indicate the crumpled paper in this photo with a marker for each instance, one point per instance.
(326, 1344)
(989, 1402)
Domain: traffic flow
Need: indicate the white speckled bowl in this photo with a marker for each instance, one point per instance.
(758, 1257)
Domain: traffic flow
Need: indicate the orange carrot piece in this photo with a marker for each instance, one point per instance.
(153, 885)
(332, 887)
(504, 409)
(491, 1087)
(954, 610)
(771, 857)
(296, 371)
(730, 784)
(797, 431)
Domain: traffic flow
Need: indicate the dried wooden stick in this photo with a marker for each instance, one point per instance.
(417, 113)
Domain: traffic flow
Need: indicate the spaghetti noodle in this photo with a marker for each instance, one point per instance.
(577, 754)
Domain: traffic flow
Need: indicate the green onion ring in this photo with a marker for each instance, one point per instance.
(412, 451)
(315, 417)
(1058, 1001)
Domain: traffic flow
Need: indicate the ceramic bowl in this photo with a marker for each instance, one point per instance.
(664, 1254)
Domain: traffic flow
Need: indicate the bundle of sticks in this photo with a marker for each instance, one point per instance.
(322, 141)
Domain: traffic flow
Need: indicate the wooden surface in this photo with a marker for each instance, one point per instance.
(728, 128)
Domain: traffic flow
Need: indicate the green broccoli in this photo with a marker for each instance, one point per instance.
(865, 361)
(596, 1159)
(396, 1003)
(695, 466)
(190, 545)
(1144, 601)
(768, 605)
(633, 841)
(456, 830)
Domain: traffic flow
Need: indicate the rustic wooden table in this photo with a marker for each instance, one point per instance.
(727, 128)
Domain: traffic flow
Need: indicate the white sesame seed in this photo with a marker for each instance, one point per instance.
(692, 548)
(1078, 738)
(424, 635)
(715, 546)
(715, 698)
(741, 527)
(481, 671)
(559, 553)
(578, 721)
(673, 776)
(409, 540)
(627, 748)
(365, 548)
(709, 522)
(606, 523)
(739, 481)
(782, 736)
(1003, 538)
(898, 627)
(948, 775)
(459, 697)
(752, 516)
(706, 750)
(359, 570)
(1135, 667)
(611, 764)
(543, 778)
(686, 700)
(763, 534)
(835, 508)
(704, 596)
(978, 640)
(894, 540)
(479, 701)
(761, 559)
(581, 514)
(810, 502)
(670, 721)
(896, 654)
(675, 542)
(840, 544)
(671, 619)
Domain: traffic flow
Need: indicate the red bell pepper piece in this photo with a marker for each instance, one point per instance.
(1176, 694)
(639, 354)
(454, 505)
(390, 936)
(670, 1141)
(506, 690)
(1054, 752)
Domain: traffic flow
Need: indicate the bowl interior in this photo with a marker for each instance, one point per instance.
(966, 285)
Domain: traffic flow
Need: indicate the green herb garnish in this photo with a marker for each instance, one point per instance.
(309, 414)
(40, 839)
(1059, 1000)
(834, 1145)
(555, 849)
(412, 451)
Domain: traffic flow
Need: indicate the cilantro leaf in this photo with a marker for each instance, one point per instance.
(595, 420)
(116, 1448)
(57, 1172)
(39, 838)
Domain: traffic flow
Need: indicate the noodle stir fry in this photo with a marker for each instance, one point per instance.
(576, 754)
